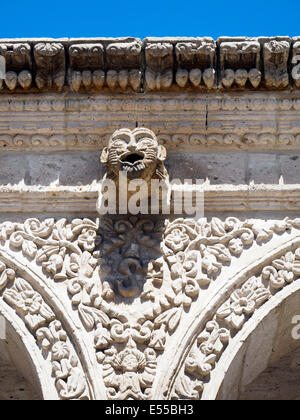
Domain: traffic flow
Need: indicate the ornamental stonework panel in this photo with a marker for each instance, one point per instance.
(110, 289)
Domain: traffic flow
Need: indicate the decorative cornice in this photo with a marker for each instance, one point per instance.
(216, 121)
(154, 64)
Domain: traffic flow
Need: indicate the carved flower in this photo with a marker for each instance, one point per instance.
(211, 264)
(60, 351)
(87, 240)
(29, 304)
(283, 270)
(236, 246)
(288, 265)
(177, 240)
(130, 360)
(243, 302)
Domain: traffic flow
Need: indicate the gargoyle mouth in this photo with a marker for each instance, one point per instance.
(133, 162)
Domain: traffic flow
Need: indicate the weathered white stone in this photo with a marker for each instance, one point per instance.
(149, 307)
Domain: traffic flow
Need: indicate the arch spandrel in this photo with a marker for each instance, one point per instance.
(247, 305)
(64, 266)
(65, 363)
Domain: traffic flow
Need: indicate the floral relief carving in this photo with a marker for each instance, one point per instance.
(53, 340)
(283, 270)
(243, 302)
(132, 282)
(230, 318)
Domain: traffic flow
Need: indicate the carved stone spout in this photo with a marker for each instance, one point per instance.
(133, 158)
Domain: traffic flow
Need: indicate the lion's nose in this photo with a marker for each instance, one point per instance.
(132, 145)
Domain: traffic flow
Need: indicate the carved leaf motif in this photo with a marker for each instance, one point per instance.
(16, 239)
(221, 252)
(171, 318)
(62, 231)
(37, 228)
(217, 227)
(29, 248)
(102, 337)
(6, 229)
(188, 389)
(92, 316)
(22, 285)
(79, 224)
(45, 252)
(7, 275)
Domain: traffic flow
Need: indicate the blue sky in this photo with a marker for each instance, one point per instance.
(91, 18)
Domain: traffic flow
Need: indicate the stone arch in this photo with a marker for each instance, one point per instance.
(267, 338)
(51, 338)
(202, 330)
(32, 366)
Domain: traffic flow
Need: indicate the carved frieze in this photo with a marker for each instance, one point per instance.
(196, 63)
(18, 65)
(129, 64)
(240, 63)
(276, 54)
(50, 61)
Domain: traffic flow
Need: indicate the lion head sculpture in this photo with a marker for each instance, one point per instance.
(134, 155)
(137, 152)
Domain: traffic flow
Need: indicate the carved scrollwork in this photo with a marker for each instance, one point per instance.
(40, 319)
(157, 268)
(230, 317)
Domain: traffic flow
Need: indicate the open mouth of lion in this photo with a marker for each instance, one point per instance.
(133, 162)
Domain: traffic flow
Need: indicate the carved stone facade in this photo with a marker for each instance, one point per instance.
(149, 307)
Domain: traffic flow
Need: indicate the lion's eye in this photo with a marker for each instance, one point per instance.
(145, 143)
(119, 144)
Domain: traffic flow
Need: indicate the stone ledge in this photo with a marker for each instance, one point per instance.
(154, 64)
(217, 198)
